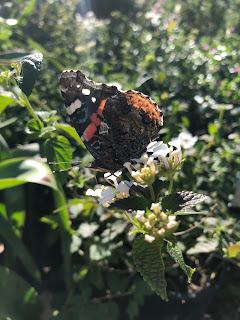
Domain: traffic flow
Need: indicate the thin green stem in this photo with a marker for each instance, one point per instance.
(170, 185)
(131, 220)
(151, 192)
(220, 118)
(30, 109)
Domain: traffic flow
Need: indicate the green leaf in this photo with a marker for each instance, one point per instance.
(148, 259)
(177, 256)
(30, 69)
(234, 250)
(212, 128)
(203, 245)
(34, 127)
(58, 149)
(133, 203)
(8, 122)
(4, 102)
(70, 132)
(17, 171)
(46, 116)
(15, 291)
(46, 131)
(17, 247)
(29, 8)
(181, 200)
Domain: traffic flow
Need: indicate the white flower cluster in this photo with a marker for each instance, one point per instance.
(156, 223)
(159, 159)
(107, 195)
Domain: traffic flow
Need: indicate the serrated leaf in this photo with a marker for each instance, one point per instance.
(46, 116)
(148, 259)
(204, 246)
(177, 256)
(46, 130)
(181, 200)
(34, 127)
(131, 203)
(30, 69)
(58, 149)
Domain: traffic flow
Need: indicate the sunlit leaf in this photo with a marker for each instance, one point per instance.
(4, 102)
(70, 132)
(17, 171)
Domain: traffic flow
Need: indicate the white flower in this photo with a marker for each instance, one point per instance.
(122, 190)
(107, 196)
(184, 140)
(128, 166)
(161, 232)
(161, 150)
(156, 207)
(140, 216)
(148, 238)
(112, 177)
(95, 193)
(177, 156)
(153, 145)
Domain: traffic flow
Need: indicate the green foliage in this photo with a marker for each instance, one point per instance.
(30, 68)
(59, 241)
(149, 262)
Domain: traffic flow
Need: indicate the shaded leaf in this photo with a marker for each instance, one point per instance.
(17, 247)
(177, 256)
(30, 69)
(15, 291)
(131, 203)
(181, 200)
(148, 259)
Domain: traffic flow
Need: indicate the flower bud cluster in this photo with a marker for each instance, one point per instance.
(159, 159)
(156, 223)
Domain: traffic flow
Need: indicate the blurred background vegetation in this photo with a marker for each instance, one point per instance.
(78, 264)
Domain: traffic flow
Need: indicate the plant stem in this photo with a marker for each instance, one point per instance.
(170, 185)
(131, 220)
(151, 192)
(30, 109)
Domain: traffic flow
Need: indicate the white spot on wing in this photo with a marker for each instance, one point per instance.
(86, 92)
(72, 108)
(77, 104)
(94, 99)
(69, 110)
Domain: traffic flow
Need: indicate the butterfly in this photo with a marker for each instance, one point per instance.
(114, 125)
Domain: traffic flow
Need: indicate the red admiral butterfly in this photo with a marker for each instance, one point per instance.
(114, 125)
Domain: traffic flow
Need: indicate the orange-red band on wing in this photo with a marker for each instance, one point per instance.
(101, 107)
(89, 131)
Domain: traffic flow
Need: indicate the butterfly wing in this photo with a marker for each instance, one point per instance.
(85, 100)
